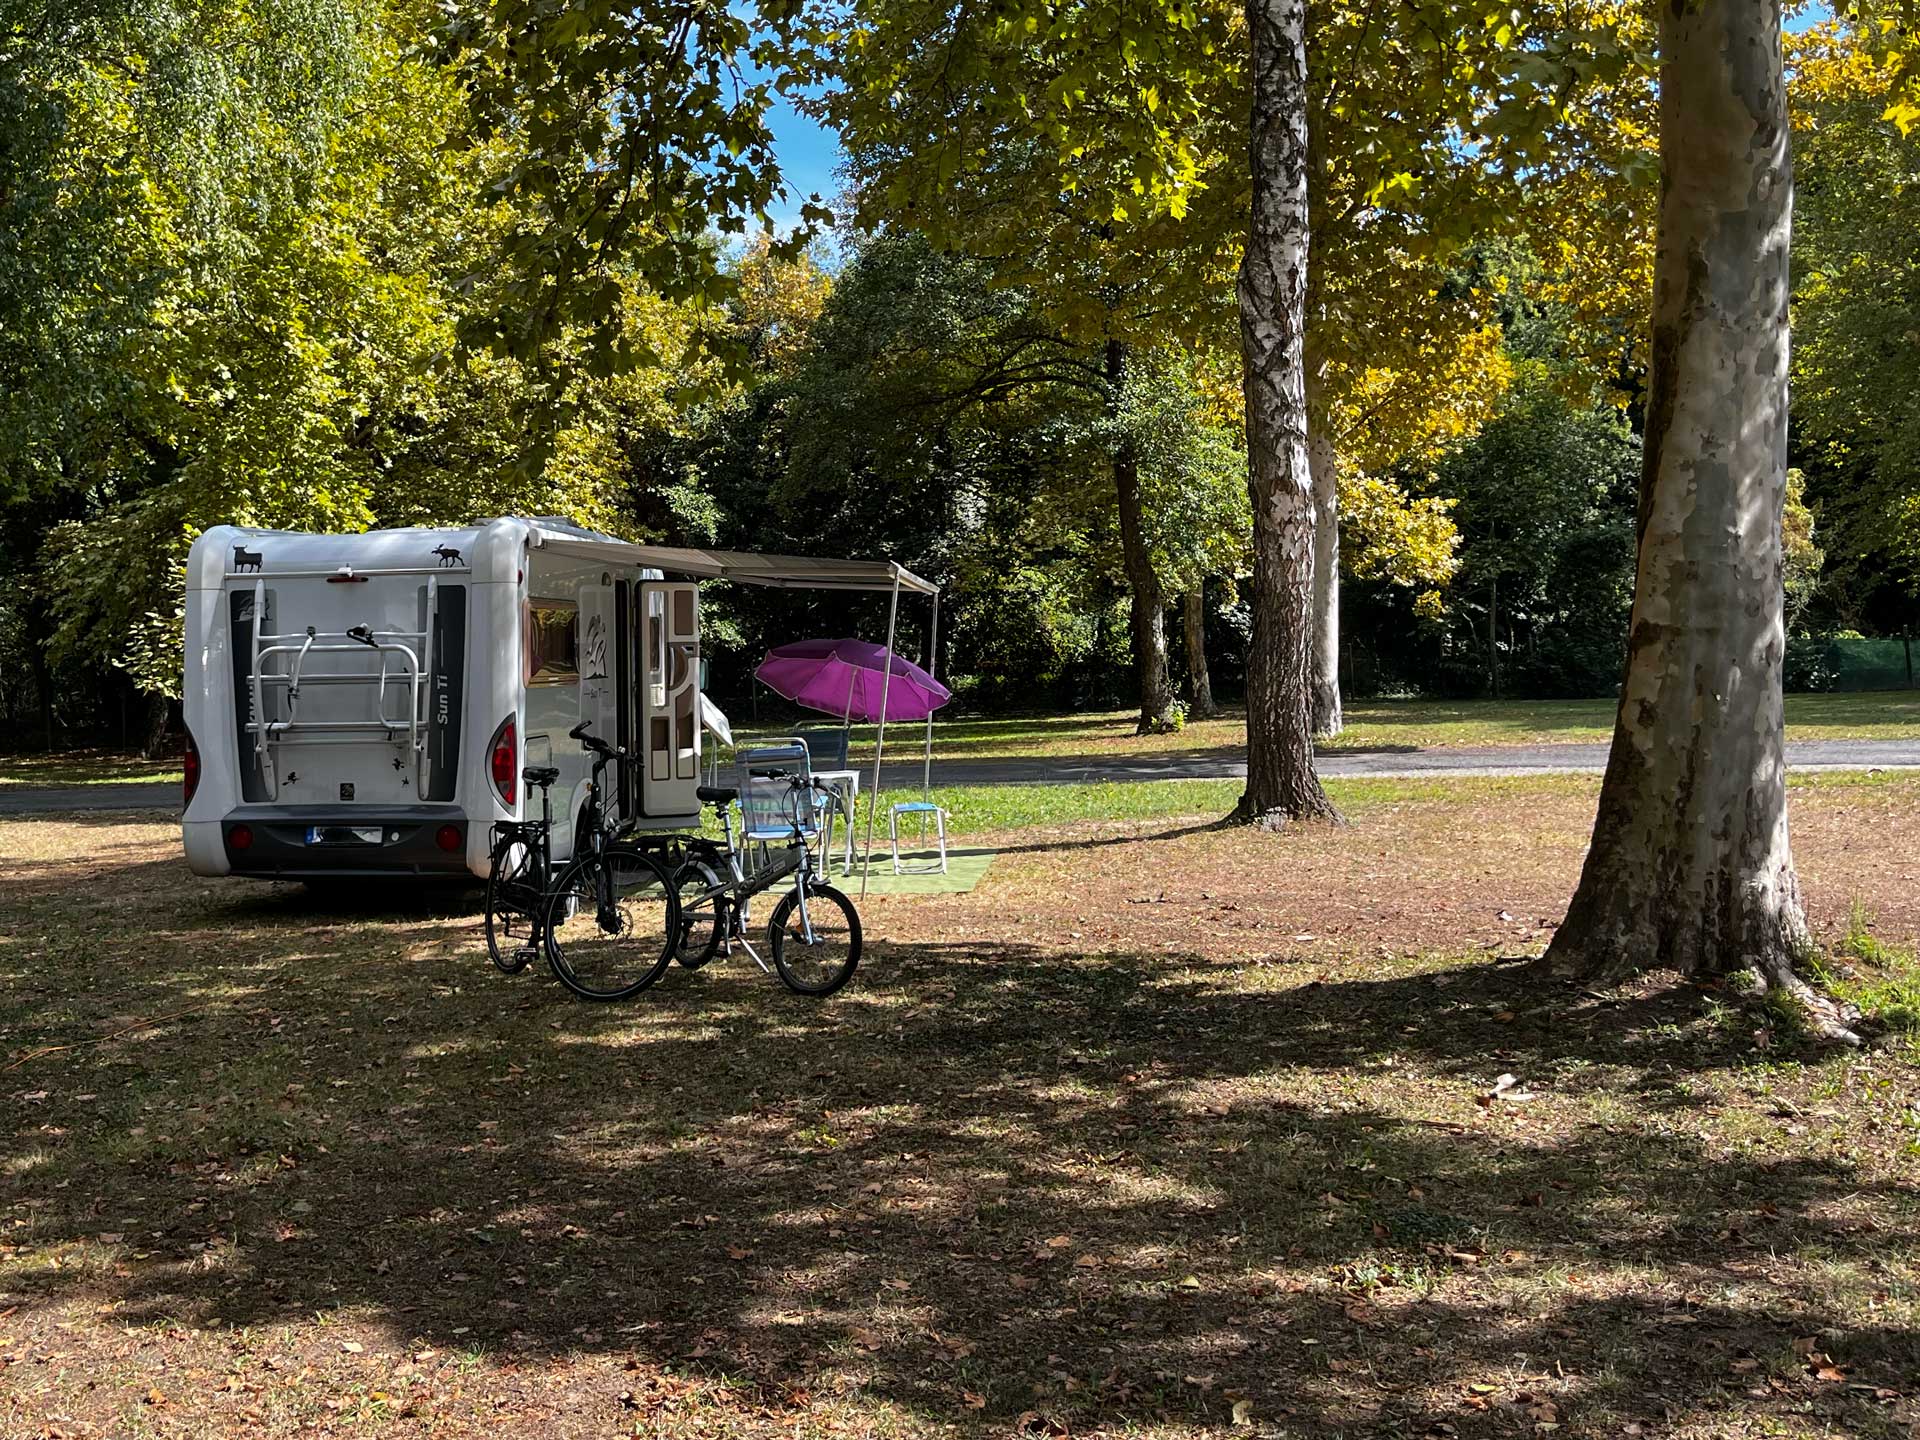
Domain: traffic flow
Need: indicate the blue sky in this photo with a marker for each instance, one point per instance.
(808, 155)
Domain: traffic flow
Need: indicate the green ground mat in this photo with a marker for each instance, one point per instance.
(964, 869)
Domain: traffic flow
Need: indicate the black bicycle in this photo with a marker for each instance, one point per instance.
(813, 934)
(607, 922)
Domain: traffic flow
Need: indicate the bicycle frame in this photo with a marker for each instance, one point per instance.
(731, 896)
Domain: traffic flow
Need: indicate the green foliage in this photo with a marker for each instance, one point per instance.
(1544, 508)
(286, 240)
(634, 131)
(1856, 358)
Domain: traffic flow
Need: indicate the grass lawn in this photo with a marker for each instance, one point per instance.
(1160, 1128)
(1371, 725)
(85, 767)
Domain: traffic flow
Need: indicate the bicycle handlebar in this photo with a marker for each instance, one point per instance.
(798, 782)
(583, 732)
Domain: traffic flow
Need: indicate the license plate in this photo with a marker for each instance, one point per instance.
(343, 834)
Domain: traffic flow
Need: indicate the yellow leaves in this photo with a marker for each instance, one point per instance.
(1441, 384)
(1390, 535)
(778, 301)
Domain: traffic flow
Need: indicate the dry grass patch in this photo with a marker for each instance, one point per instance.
(1159, 1127)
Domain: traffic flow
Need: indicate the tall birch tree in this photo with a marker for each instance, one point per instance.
(1281, 784)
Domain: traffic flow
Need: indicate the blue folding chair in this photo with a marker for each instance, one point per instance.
(828, 744)
(767, 804)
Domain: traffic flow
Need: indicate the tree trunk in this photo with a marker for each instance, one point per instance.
(1146, 604)
(1493, 635)
(1322, 465)
(1281, 784)
(1690, 867)
(42, 672)
(159, 720)
(1195, 615)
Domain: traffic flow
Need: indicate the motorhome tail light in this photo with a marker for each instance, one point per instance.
(503, 760)
(448, 838)
(240, 837)
(190, 766)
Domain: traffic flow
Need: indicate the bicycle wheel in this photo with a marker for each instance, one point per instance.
(700, 913)
(612, 920)
(514, 904)
(823, 964)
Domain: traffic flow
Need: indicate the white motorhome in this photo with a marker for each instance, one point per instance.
(364, 704)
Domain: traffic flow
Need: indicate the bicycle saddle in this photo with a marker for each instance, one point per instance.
(540, 774)
(716, 794)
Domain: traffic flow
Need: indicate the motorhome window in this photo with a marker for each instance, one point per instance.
(553, 642)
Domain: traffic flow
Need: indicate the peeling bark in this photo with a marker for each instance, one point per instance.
(1146, 604)
(1281, 784)
(1194, 614)
(1690, 867)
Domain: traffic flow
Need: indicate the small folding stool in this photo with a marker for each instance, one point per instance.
(931, 819)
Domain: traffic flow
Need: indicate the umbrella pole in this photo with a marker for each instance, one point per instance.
(880, 735)
(846, 721)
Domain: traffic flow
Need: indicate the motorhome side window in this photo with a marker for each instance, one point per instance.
(553, 642)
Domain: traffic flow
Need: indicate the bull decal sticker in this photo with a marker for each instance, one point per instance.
(245, 559)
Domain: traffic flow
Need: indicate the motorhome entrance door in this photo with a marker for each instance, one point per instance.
(599, 656)
(668, 637)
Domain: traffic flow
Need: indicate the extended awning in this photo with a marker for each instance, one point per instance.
(780, 572)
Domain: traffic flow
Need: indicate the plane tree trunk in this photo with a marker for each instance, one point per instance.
(1194, 615)
(1281, 784)
(1690, 867)
(1145, 599)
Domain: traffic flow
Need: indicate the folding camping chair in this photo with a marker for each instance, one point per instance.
(767, 804)
(827, 744)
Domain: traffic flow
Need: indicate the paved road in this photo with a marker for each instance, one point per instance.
(1198, 765)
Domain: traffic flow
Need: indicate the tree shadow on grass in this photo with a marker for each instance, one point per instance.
(1102, 1189)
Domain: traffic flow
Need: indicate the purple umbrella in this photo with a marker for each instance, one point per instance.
(845, 678)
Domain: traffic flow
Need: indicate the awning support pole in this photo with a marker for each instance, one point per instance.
(880, 735)
(933, 666)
